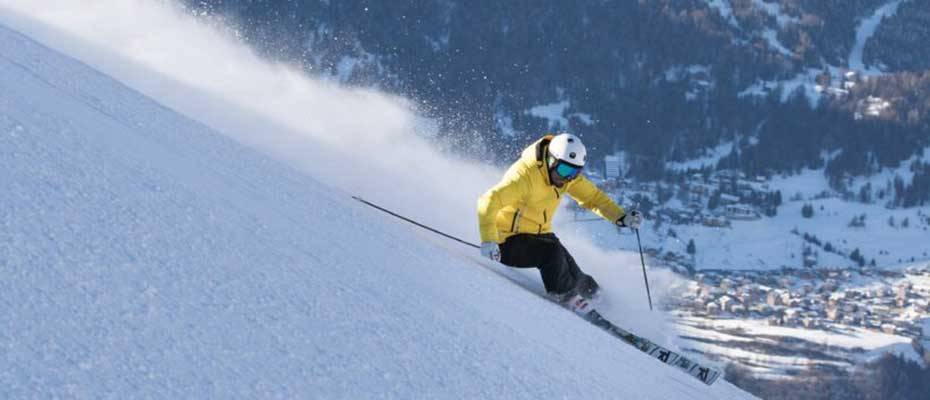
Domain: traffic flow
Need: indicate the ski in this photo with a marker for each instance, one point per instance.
(702, 373)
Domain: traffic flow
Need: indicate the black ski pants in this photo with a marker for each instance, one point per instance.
(560, 273)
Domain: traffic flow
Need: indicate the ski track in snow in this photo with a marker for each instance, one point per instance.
(865, 31)
(145, 255)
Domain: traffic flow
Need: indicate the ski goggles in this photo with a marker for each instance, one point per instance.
(566, 171)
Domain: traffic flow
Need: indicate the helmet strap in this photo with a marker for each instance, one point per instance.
(551, 161)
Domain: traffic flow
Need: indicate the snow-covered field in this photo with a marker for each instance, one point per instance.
(145, 254)
(770, 242)
(773, 351)
(710, 159)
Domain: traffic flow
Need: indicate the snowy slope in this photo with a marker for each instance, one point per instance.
(360, 141)
(865, 31)
(890, 236)
(146, 255)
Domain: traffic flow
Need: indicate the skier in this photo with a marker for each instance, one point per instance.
(515, 216)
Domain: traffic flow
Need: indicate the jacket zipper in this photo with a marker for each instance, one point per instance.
(513, 225)
(546, 217)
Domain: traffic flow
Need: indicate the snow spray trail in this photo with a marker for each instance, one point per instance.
(359, 141)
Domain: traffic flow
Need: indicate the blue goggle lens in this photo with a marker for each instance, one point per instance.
(567, 171)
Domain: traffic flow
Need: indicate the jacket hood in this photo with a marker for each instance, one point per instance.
(534, 156)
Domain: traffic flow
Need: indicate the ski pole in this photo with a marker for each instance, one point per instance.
(363, 201)
(643, 260)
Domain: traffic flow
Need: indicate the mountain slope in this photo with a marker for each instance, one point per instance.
(146, 255)
(659, 80)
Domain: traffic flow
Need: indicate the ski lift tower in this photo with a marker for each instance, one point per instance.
(612, 167)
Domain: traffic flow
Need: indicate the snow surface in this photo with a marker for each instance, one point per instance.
(805, 81)
(844, 348)
(865, 31)
(774, 9)
(710, 159)
(682, 72)
(504, 123)
(585, 118)
(345, 67)
(771, 36)
(725, 10)
(147, 255)
(553, 112)
(769, 244)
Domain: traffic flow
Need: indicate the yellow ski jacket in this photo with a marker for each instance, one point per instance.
(525, 201)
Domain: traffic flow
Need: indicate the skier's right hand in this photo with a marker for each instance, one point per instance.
(491, 250)
(631, 220)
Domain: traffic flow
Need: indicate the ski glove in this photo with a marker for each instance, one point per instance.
(491, 250)
(632, 220)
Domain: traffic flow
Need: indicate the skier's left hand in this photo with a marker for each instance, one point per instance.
(491, 250)
(631, 220)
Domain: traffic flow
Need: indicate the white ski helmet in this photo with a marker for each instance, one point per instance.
(568, 148)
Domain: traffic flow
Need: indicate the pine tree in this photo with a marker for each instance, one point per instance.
(865, 194)
(714, 201)
(807, 211)
(857, 257)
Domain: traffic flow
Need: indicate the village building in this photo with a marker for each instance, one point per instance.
(903, 290)
(922, 305)
(726, 284)
(807, 288)
(819, 301)
(850, 308)
(834, 314)
(851, 320)
(792, 317)
(785, 282)
(726, 303)
(924, 339)
(773, 298)
(889, 329)
(880, 310)
(715, 222)
(811, 323)
(741, 212)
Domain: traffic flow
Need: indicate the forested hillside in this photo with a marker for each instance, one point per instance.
(789, 81)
